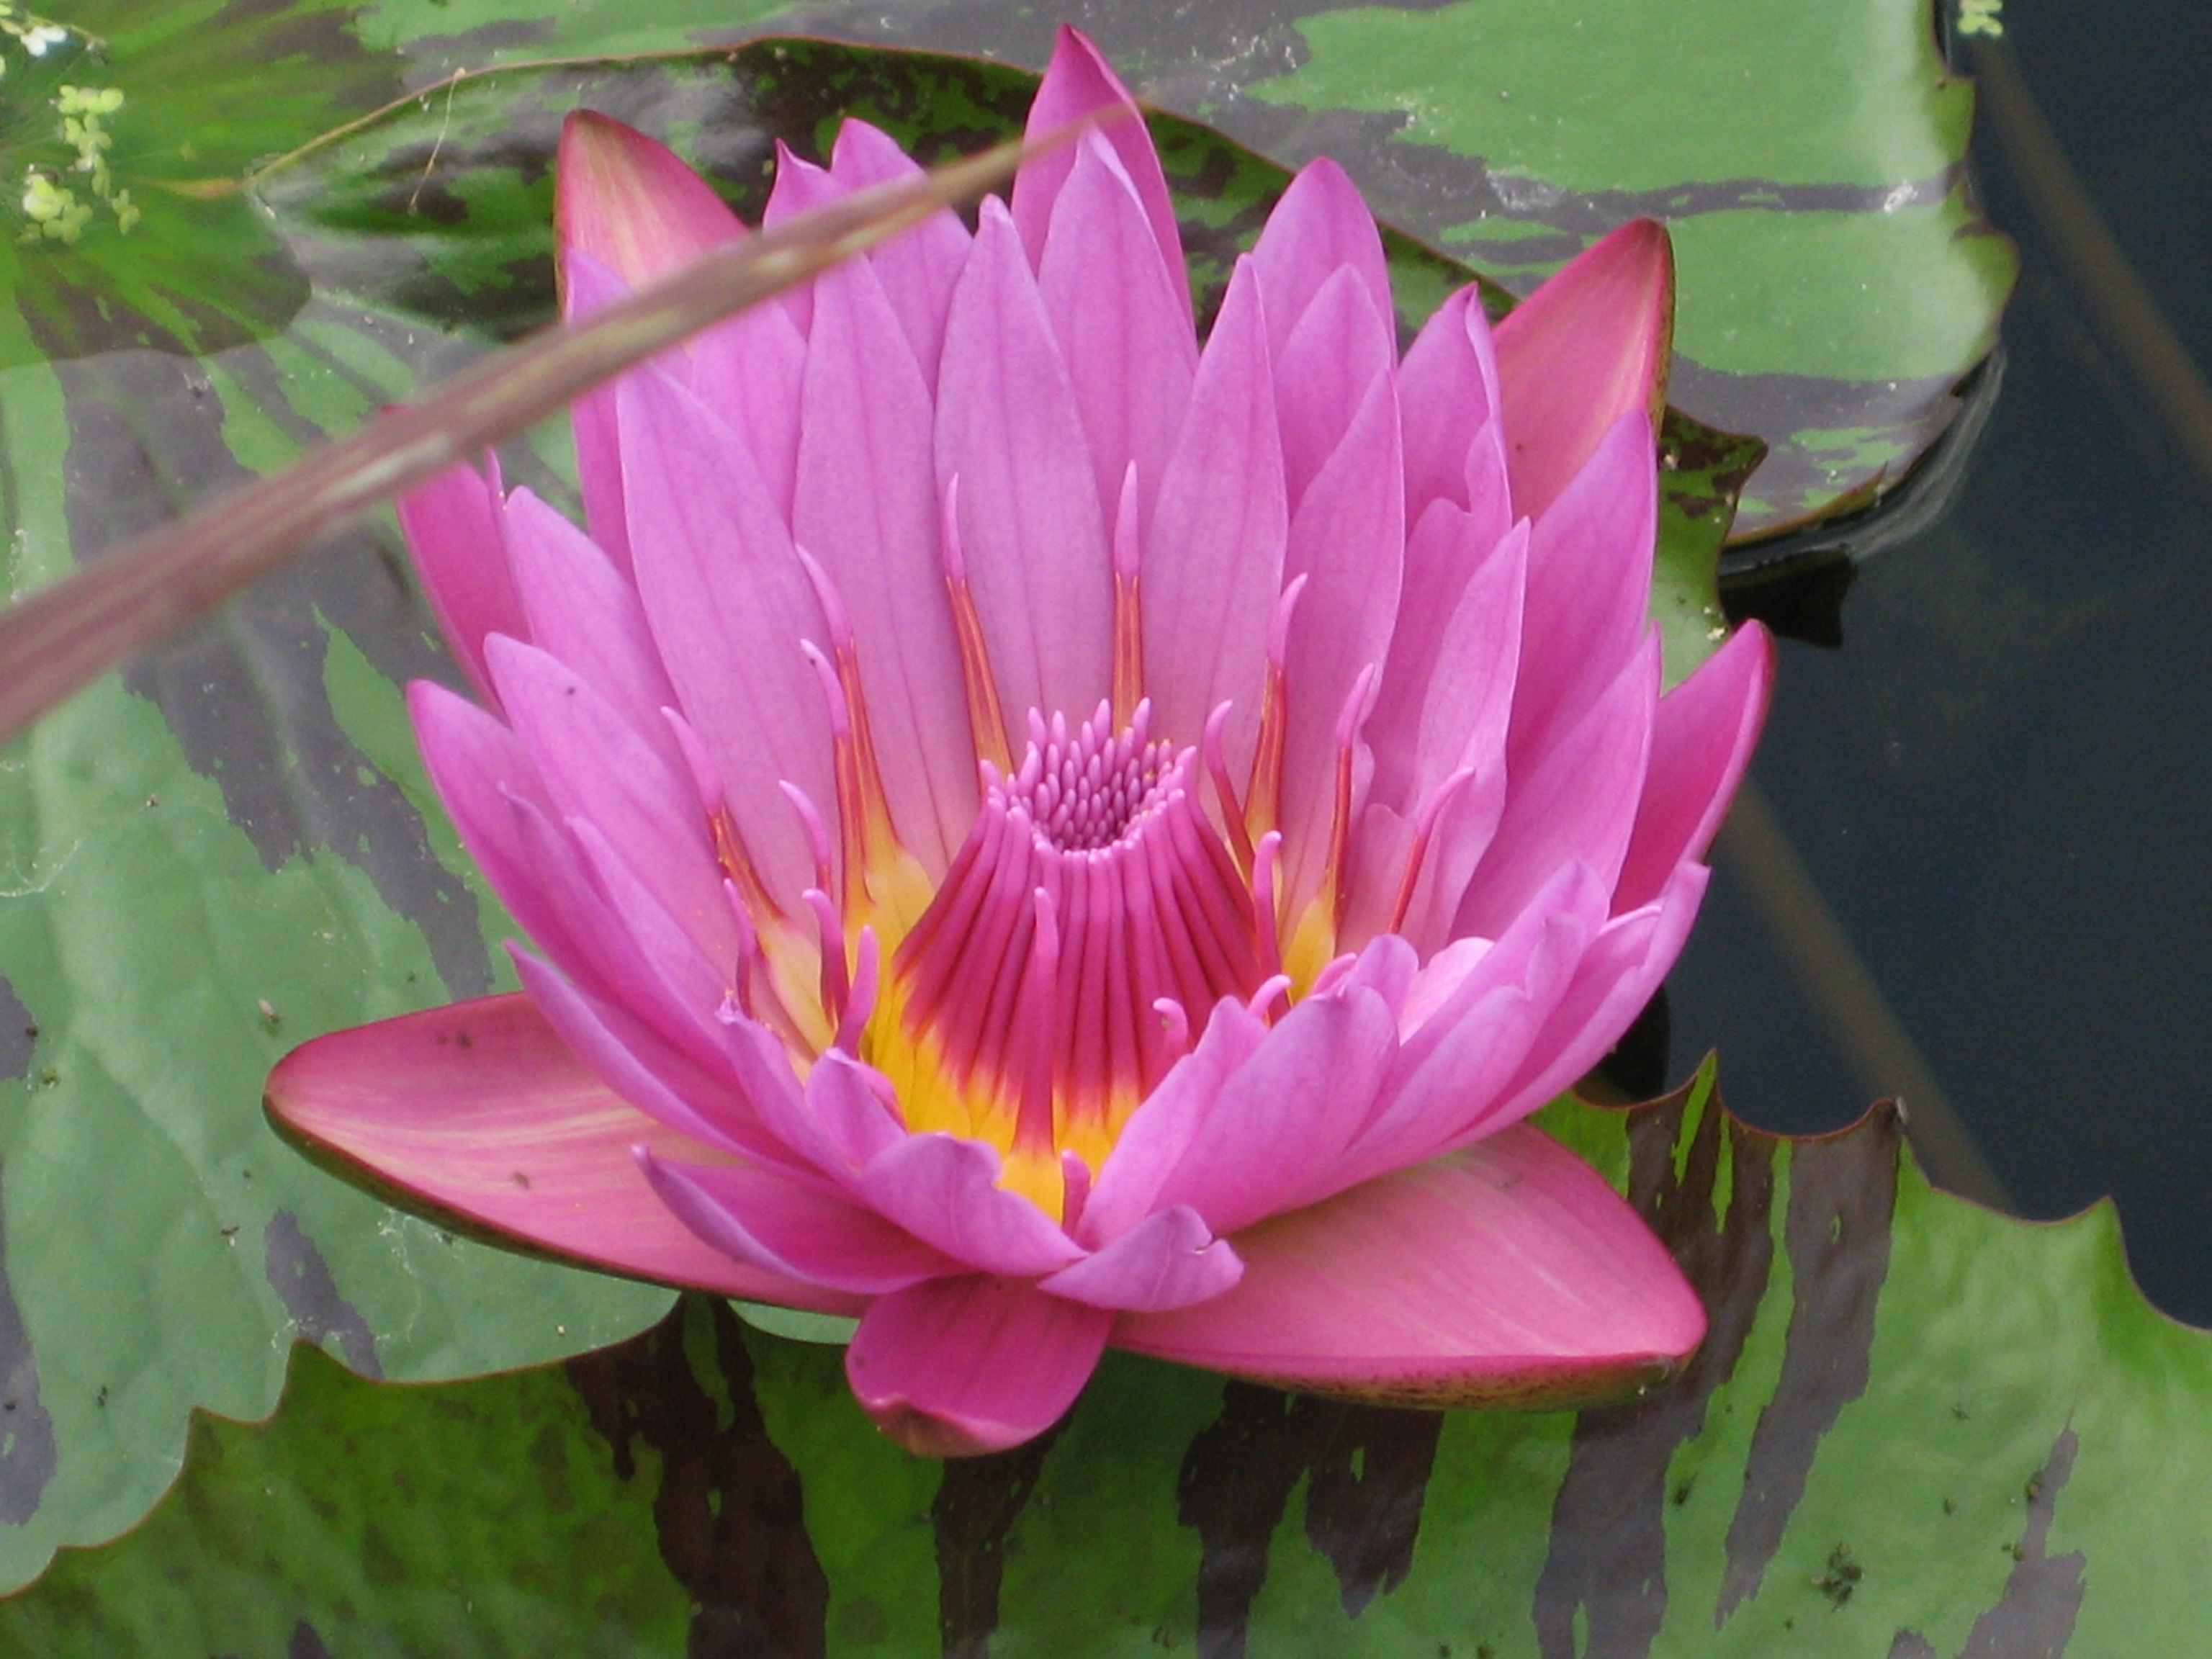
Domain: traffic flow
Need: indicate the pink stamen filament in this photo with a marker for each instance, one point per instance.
(1128, 617)
(1440, 798)
(1263, 801)
(987, 722)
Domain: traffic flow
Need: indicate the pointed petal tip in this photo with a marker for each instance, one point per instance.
(630, 202)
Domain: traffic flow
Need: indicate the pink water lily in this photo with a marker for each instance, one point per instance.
(1041, 835)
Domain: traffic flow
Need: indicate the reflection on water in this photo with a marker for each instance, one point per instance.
(2003, 783)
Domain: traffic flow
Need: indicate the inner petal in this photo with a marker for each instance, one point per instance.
(1025, 1005)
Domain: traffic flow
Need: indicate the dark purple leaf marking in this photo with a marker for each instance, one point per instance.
(1608, 1554)
(1843, 1189)
(2033, 1618)
(27, 1431)
(301, 1279)
(19, 1033)
(246, 693)
(977, 1503)
(306, 1643)
(1369, 1468)
(730, 1514)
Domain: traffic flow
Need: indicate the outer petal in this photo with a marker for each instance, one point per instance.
(452, 529)
(1587, 348)
(1508, 1274)
(479, 1112)
(1447, 388)
(1701, 742)
(1079, 84)
(961, 1366)
(757, 1217)
(630, 204)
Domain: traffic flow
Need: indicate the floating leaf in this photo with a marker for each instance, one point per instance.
(1916, 1429)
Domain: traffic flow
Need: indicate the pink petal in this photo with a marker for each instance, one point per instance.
(1448, 391)
(920, 267)
(1701, 742)
(1161, 1130)
(630, 204)
(452, 529)
(637, 1064)
(866, 508)
(584, 611)
(1286, 1115)
(1319, 227)
(1032, 534)
(943, 1189)
(779, 1226)
(1590, 586)
(843, 1096)
(1169, 1260)
(1122, 323)
(1615, 978)
(1079, 84)
(729, 603)
(1509, 1275)
(749, 370)
(1587, 348)
(1348, 539)
(962, 1366)
(1578, 803)
(1325, 371)
(596, 767)
(1212, 561)
(589, 285)
(480, 1112)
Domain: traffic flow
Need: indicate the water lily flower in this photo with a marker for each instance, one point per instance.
(1043, 834)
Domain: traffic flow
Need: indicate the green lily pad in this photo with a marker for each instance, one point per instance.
(1916, 1429)
(231, 848)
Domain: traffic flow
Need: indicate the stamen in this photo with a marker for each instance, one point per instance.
(837, 985)
(1091, 888)
(729, 847)
(1266, 917)
(986, 724)
(867, 809)
(851, 808)
(1348, 722)
(1224, 790)
(1075, 1188)
(1263, 802)
(817, 833)
(1424, 826)
(1128, 617)
(860, 1000)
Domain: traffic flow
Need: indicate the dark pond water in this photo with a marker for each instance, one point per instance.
(2002, 783)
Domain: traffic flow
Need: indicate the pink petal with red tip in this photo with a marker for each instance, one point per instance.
(481, 1112)
(452, 525)
(962, 1366)
(1123, 328)
(1079, 84)
(1508, 1274)
(630, 204)
(1587, 348)
(1701, 741)
(1032, 535)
